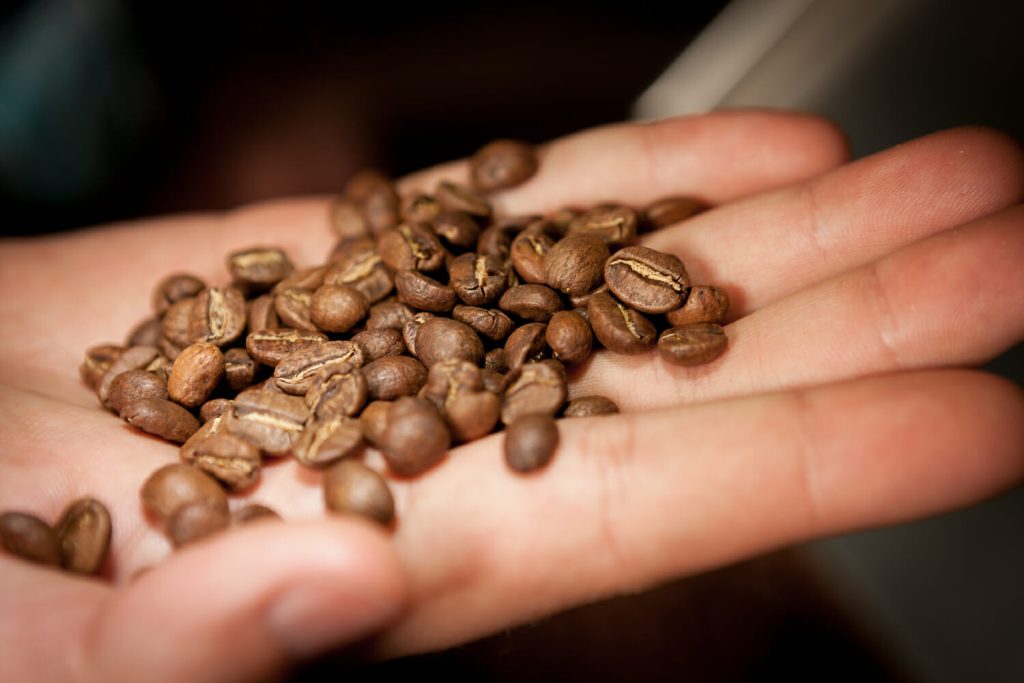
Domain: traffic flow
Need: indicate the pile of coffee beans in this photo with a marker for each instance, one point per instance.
(78, 543)
(434, 321)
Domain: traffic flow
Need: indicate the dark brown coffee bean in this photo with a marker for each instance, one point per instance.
(213, 426)
(29, 538)
(502, 164)
(160, 417)
(478, 279)
(135, 358)
(134, 384)
(346, 219)
(534, 388)
(306, 278)
(337, 308)
(491, 323)
(423, 292)
(530, 442)
(176, 485)
(174, 288)
(253, 513)
(563, 218)
(388, 314)
(705, 304)
(411, 247)
(420, 208)
(457, 228)
(412, 328)
(569, 336)
(353, 488)
(590, 406)
(271, 422)
(580, 302)
(494, 241)
(374, 419)
(328, 440)
(495, 361)
(649, 281)
(239, 369)
(531, 302)
(416, 437)
(229, 459)
(458, 197)
(618, 327)
(196, 372)
(381, 206)
(526, 344)
(218, 316)
(195, 521)
(359, 265)
(215, 408)
(339, 391)
(446, 339)
(292, 306)
(394, 376)
(528, 251)
(615, 224)
(271, 346)
(83, 534)
(694, 344)
(450, 377)
(146, 333)
(669, 211)
(575, 264)
(379, 343)
(456, 387)
(259, 268)
(98, 360)
(296, 372)
(177, 322)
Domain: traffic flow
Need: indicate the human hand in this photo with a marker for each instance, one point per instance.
(832, 410)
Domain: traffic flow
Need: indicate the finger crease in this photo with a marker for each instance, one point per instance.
(807, 460)
(885, 321)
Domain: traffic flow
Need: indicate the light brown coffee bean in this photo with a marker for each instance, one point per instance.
(446, 339)
(379, 343)
(618, 327)
(589, 406)
(177, 322)
(530, 442)
(381, 206)
(669, 211)
(694, 344)
(195, 521)
(502, 164)
(416, 437)
(388, 314)
(528, 252)
(271, 422)
(575, 264)
(394, 376)
(534, 388)
(83, 533)
(494, 241)
(296, 372)
(457, 197)
(337, 391)
(214, 408)
(160, 417)
(457, 228)
(271, 346)
(174, 288)
(196, 372)
(536, 303)
(176, 485)
(218, 316)
(374, 419)
(239, 369)
(705, 304)
(353, 488)
(423, 292)
(615, 224)
(305, 278)
(30, 538)
(262, 315)
(419, 208)
(411, 246)
(253, 513)
(456, 388)
(329, 439)
(229, 459)
(359, 266)
(292, 307)
(526, 344)
(491, 323)
(146, 333)
(214, 425)
(135, 358)
(134, 384)
(569, 336)
(346, 219)
(337, 308)
(259, 268)
(98, 360)
(649, 281)
(478, 279)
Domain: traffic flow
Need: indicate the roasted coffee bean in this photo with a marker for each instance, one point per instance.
(146, 333)
(353, 488)
(292, 306)
(196, 372)
(177, 322)
(450, 377)
(456, 387)
(569, 336)
(423, 292)
(337, 308)
(457, 228)
(98, 360)
(259, 268)
(495, 361)
(416, 437)
(649, 281)
(176, 485)
(412, 328)
(379, 343)
(306, 278)
(83, 534)
(213, 426)
(457, 197)
(346, 219)
(563, 218)
(195, 521)
(262, 314)
(420, 208)
(491, 323)
(694, 344)
(580, 302)
(494, 241)
(575, 264)
(135, 358)
(218, 316)
(174, 288)
(215, 408)
(502, 164)
(363, 270)
(339, 391)
(528, 251)
(615, 224)
(253, 513)
(705, 304)
(271, 346)
(161, 367)
(446, 339)
(389, 314)
(534, 388)
(239, 369)
(329, 439)
(29, 538)
(669, 211)
(381, 206)
(271, 422)
(374, 419)
(478, 279)
(411, 246)
(589, 406)
(618, 327)
(134, 384)
(536, 303)
(229, 459)
(160, 417)
(362, 183)
(394, 376)
(526, 344)
(530, 442)
(296, 372)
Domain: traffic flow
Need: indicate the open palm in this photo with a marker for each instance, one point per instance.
(857, 290)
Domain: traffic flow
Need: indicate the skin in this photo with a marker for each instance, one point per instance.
(860, 293)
